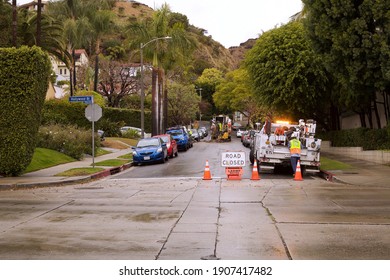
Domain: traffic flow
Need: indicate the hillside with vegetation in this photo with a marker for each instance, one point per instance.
(208, 54)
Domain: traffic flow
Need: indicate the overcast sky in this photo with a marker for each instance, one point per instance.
(233, 22)
(230, 22)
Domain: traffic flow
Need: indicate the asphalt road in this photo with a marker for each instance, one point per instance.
(167, 212)
(191, 164)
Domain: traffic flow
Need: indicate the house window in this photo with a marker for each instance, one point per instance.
(60, 71)
(64, 71)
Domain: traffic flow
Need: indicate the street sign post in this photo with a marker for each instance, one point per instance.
(93, 113)
(84, 99)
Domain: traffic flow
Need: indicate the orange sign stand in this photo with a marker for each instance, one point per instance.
(234, 173)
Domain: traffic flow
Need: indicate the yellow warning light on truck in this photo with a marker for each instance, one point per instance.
(282, 122)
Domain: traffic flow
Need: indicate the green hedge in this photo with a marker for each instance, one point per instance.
(369, 139)
(69, 140)
(67, 113)
(24, 79)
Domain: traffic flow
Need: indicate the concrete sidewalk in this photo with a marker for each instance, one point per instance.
(362, 172)
(48, 176)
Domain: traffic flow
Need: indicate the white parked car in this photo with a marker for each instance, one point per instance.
(123, 129)
(240, 131)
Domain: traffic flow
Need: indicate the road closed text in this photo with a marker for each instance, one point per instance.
(233, 159)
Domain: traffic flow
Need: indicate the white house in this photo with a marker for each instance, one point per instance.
(62, 72)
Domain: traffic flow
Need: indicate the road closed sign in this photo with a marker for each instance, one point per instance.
(233, 159)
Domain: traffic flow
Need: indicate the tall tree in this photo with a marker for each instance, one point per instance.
(287, 75)
(236, 93)
(14, 23)
(354, 39)
(83, 22)
(208, 81)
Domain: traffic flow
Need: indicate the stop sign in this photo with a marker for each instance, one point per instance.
(93, 112)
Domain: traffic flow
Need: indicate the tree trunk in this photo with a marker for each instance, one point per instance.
(39, 20)
(14, 23)
(378, 120)
(362, 116)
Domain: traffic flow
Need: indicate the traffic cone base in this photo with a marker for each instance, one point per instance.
(255, 172)
(207, 173)
(298, 174)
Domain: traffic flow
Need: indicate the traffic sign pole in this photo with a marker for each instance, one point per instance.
(93, 139)
(93, 113)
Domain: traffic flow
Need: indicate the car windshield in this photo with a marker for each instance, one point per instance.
(148, 143)
(164, 138)
(175, 132)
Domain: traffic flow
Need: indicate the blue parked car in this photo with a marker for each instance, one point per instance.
(181, 137)
(150, 150)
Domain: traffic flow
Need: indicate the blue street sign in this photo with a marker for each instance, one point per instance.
(84, 99)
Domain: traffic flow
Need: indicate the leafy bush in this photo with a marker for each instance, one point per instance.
(24, 79)
(369, 139)
(67, 113)
(131, 134)
(111, 129)
(70, 140)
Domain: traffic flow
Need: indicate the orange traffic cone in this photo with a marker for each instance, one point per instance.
(255, 172)
(207, 174)
(298, 174)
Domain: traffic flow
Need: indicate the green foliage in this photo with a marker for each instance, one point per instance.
(69, 140)
(67, 113)
(131, 134)
(208, 82)
(353, 38)
(369, 139)
(235, 93)
(24, 79)
(183, 104)
(97, 98)
(6, 24)
(287, 75)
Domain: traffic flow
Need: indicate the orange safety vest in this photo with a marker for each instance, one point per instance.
(295, 146)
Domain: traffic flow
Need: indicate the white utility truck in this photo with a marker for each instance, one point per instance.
(270, 145)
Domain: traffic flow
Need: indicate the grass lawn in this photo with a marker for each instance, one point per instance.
(119, 143)
(127, 156)
(80, 172)
(112, 162)
(44, 158)
(101, 152)
(330, 164)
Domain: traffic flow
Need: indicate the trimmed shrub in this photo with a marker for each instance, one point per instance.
(70, 140)
(24, 79)
(67, 113)
(368, 139)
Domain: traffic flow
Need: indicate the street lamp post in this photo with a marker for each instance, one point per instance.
(200, 105)
(142, 83)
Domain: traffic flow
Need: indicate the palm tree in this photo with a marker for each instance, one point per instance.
(39, 20)
(84, 24)
(162, 53)
(14, 23)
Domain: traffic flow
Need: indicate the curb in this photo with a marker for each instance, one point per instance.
(85, 179)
